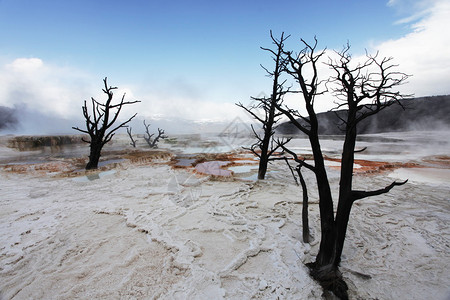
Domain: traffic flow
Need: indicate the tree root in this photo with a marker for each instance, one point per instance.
(330, 278)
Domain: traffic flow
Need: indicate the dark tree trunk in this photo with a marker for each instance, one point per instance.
(262, 166)
(327, 226)
(264, 158)
(324, 269)
(305, 219)
(345, 201)
(94, 155)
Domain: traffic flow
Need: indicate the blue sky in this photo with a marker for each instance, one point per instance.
(191, 59)
(139, 37)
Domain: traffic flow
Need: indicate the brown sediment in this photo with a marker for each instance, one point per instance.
(440, 160)
(372, 167)
(241, 161)
(138, 156)
(41, 168)
(214, 156)
(34, 143)
(205, 157)
(368, 167)
(71, 167)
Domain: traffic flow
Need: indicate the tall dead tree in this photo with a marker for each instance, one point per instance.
(365, 89)
(264, 108)
(100, 123)
(299, 64)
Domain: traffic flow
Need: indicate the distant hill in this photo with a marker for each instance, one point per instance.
(424, 113)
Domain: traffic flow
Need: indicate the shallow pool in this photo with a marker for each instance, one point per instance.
(243, 169)
(213, 168)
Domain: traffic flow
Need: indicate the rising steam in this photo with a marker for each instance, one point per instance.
(8, 118)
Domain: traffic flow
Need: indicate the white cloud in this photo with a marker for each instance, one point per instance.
(412, 18)
(180, 98)
(55, 93)
(173, 106)
(26, 65)
(47, 89)
(413, 9)
(424, 53)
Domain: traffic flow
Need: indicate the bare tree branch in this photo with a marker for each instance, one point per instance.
(291, 169)
(297, 159)
(365, 92)
(133, 141)
(360, 150)
(153, 143)
(357, 195)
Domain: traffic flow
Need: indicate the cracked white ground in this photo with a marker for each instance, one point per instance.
(131, 234)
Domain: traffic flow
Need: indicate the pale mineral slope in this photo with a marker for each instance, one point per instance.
(148, 231)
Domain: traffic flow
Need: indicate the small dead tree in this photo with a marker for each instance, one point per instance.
(305, 218)
(133, 141)
(264, 110)
(148, 137)
(365, 89)
(100, 123)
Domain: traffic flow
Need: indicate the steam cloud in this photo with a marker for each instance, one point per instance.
(8, 118)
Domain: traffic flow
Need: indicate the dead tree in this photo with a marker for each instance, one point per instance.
(355, 86)
(305, 219)
(299, 64)
(364, 90)
(264, 109)
(100, 123)
(148, 137)
(133, 141)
